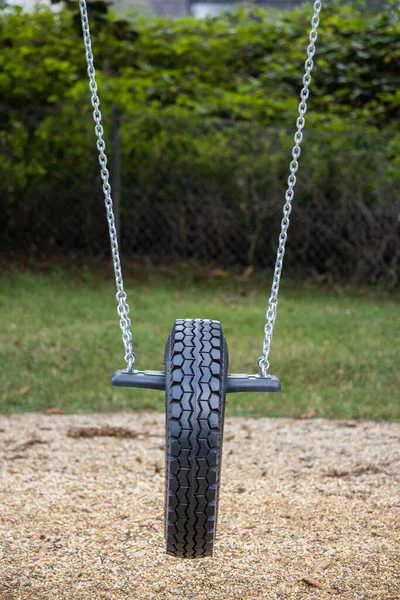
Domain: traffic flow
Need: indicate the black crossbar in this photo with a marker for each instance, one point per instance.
(155, 380)
(152, 380)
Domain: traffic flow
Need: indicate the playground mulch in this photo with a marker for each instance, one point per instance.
(309, 510)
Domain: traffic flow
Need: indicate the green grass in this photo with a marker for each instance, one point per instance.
(335, 352)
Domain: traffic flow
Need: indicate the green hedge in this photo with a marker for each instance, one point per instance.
(210, 100)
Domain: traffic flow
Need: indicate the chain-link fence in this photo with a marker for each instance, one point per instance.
(212, 191)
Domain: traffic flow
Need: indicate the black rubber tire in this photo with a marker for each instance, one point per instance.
(196, 367)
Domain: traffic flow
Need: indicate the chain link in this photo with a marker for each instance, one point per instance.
(263, 361)
(123, 307)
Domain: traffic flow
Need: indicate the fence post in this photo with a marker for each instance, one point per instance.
(116, 168)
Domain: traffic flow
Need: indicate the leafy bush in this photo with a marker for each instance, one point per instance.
(208, 108)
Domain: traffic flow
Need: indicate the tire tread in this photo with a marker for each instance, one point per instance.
(196, 368)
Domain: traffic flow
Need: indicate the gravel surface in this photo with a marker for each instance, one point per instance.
(309, 510)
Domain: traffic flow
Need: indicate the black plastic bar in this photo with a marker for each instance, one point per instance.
(155, 380)
(252, 383)
(152, 380)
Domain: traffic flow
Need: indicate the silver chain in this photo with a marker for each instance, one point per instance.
(263, 361)
(123, 307)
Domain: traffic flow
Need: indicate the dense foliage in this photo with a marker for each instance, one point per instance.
(208, 107)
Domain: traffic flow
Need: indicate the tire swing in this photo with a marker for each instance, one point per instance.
(196, 377)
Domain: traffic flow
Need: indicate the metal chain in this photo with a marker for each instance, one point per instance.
(123, 307)
(263, 361)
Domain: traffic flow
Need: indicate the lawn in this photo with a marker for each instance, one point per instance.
(336, 351)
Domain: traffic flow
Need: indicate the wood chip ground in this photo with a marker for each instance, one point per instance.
(309, 509)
